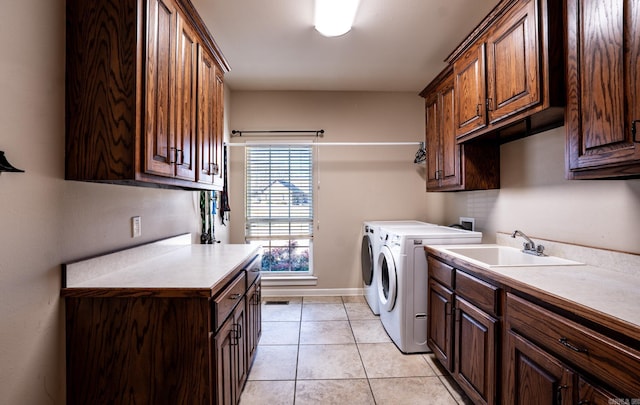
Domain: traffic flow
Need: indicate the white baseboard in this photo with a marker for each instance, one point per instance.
(309, 292)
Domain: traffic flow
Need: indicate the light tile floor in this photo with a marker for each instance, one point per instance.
(334, 350)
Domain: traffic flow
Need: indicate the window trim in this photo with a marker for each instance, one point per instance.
(285, 278)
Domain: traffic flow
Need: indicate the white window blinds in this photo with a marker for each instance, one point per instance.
(279, 192)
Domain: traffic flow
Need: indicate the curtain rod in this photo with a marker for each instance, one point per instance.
(318, 132)
(336, 143)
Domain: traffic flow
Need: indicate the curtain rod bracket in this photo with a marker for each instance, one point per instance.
(315, 132)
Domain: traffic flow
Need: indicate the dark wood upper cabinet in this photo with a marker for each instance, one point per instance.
(132, 82)
(603, 108)
(210, 120)
(452, 166)
(470, 90)
(509, 76)
(513, 67)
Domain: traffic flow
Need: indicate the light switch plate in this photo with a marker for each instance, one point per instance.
(136, 227)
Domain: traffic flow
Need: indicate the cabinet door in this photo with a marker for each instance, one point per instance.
(440, 326)
(159, 131)
(206, 116)
(240, 327)
(513, 74)
(216, 152)
(592, 395)
(186, 81)
(432, 136)
(532, 376)
(470, 90)
(449, 148)
(475, 352)
(254, 320)
(443, 152)
(603, 83)
(231, 356)
(225, 364)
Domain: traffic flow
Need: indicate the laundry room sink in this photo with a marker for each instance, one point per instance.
(505, 256)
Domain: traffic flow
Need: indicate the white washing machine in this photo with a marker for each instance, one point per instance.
(402, 280)
(371, 243)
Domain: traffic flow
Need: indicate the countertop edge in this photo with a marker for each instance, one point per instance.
(151, 291)
(616, 324)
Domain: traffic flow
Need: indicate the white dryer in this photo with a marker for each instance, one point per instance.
(371, 243)
(402, 281)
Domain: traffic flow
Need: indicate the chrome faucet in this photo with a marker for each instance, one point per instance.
(528, 246)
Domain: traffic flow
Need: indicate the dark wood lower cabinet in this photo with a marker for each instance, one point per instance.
(440, 326)
(547, 358)
(475, 352)
(254, 318)
(462, 334)
(162, 349)
(224, 358)
(231, 357)
(533, 376)
(503, 346)
(589, 394)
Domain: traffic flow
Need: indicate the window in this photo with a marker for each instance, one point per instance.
(279, 205)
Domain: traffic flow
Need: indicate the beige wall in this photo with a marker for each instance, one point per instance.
(356, 183)
(381, 182)
(535, 198)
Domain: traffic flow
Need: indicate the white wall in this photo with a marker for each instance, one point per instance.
(356, 183)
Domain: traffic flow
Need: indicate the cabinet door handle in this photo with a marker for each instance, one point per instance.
(213, 168)
(559, 393)
(634, 130)
(447, 312)
(489, 104)
(235, 296)
(239, 331)
(478, 107)
(565, 342)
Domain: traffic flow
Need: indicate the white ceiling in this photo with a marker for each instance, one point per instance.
(395, 45)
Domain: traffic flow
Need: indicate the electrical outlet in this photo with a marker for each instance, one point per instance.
(136, 227)
(468, 223)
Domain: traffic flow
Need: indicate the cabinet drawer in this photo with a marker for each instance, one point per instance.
(253, 269)
(608, 360)
(226, 301)
(440, 271)
(482, 294)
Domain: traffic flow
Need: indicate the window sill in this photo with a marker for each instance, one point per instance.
(269, 280)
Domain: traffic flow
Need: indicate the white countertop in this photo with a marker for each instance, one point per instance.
(609, 292)
(159, 266)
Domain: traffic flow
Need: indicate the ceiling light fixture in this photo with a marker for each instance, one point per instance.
(335, 17)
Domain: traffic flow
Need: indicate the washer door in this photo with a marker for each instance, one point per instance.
(387, 279)
(366, 259)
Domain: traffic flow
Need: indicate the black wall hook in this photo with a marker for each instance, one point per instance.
(5, 166)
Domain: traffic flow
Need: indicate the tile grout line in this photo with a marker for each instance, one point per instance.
(350, 320)
(366, 375)
(295, 379)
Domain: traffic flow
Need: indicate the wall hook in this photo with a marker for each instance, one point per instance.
(5, 166)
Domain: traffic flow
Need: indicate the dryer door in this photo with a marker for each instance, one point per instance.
(366, 259)
(387, 279)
